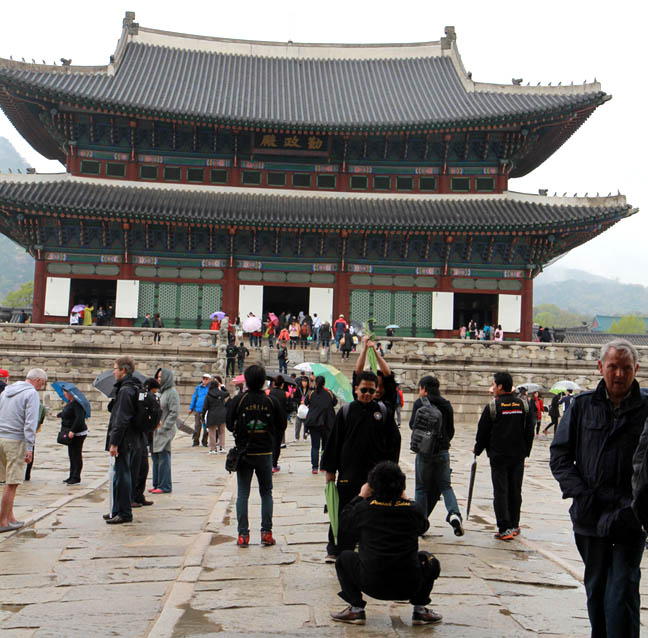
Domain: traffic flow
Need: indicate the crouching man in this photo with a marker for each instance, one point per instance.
(388, 564)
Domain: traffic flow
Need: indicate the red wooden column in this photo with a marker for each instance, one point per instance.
(40, 282)
(230, 293)
(526, 321)
(342, 295)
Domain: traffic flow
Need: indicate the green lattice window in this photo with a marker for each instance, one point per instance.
(211, 300)
(167, 301)
(188, 309)
(423, 311)
(146, 301)
(360, 305)
(382, 311)
(403, 309)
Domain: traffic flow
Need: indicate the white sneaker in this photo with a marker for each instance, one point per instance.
(455, 521)
(222, 450)
(212, 452)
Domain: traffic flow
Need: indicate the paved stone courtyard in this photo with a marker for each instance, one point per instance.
(176, 571)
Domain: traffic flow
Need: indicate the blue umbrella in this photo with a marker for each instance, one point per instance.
(59, 386)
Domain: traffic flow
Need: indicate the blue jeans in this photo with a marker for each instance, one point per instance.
(433, 480)
(262, 466)
(317, 435)
(162, 470)
(283, 366)
(122, 483)
(612, 577)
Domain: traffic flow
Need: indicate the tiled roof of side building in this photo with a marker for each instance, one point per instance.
(352, 87)
(505, 212)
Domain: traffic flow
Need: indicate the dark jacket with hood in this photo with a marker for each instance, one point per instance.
(321, 414)
(214, 411)
(447, 415)
(591, 458)
(256, 420)
(509, 437)
(123, 411)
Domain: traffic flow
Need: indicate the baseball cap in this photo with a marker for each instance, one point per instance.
(4, 373)
(206, 375)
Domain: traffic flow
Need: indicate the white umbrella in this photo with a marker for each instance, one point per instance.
(251, 324)
(530, 387)
(565, 384)
(304, 367)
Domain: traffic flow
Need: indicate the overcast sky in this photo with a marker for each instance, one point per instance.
(543, 42)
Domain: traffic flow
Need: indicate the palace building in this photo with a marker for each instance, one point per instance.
(204, 173)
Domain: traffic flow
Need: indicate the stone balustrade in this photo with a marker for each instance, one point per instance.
(464, 367)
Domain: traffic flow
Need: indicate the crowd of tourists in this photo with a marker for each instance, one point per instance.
(357, 449)
(488, 332)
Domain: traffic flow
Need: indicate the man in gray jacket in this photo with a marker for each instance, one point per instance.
(19, 406)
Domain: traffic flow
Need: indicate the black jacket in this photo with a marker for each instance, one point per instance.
(73, 417)
(123, 410)
(214, 406)
(257, 424)
(321, 414)
(387, 533)
(591, 458)
(447, 414)
(509, 437)
(358, 442)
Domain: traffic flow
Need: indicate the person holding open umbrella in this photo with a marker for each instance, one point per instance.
(73, 418)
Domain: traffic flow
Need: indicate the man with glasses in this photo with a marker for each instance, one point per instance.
(19, 408)
(364, 434)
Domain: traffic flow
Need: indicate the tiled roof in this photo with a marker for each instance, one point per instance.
(306, 86)
(600, 338)
(507, 211)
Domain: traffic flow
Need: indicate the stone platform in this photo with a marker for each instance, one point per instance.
(176, 570)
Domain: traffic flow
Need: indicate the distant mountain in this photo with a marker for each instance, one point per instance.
(18, 265)
(581, 292)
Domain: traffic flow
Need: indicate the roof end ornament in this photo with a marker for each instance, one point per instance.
(449, 39)
(129, 23)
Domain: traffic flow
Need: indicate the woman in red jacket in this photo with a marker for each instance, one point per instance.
(539, 407)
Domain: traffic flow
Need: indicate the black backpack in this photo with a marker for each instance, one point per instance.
(148, 411)
(427, 430)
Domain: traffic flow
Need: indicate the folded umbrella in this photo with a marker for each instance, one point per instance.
(59, 386)
(333, 507)
(471, 485)
(105, 382)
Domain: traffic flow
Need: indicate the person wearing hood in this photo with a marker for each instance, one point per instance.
(73, 418)
(162, 437)
(433, 472)
(19, 408)
(214, 414)
(123, 440)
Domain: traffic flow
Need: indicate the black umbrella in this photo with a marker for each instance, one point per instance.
(471, 485)
(286, 377)
(105, 382)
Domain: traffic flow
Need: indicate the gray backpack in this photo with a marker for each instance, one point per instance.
(427, 430)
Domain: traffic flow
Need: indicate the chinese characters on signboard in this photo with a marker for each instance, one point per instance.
(288, 142)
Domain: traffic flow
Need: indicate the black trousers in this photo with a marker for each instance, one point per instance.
(507, 493)
(346, 492)
(76, 458)
(122, 485)
(139, 473)
(414, 583)
(229, 369)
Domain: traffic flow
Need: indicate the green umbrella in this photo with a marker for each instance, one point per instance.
(333, 507)
(335, 381)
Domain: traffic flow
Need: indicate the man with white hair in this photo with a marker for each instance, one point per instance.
(591, 458)
(19, 407)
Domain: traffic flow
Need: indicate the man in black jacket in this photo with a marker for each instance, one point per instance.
(123, 441)
(591, 458)
(256, 420)
(433, 472)
(505, 431)
(388, 565)
(364, 433)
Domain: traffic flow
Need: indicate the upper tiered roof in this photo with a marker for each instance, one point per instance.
(320, 87)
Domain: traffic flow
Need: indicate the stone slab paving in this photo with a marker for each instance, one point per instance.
(176, 571)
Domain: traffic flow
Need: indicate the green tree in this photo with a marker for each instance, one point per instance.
(628, 325)
(554, 317)
(21, 297)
